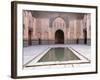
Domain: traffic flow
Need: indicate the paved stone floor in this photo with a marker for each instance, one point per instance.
(29, 53)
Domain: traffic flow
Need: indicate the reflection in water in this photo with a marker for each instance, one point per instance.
(59, 54)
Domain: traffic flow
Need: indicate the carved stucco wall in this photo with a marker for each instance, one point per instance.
(45, 24)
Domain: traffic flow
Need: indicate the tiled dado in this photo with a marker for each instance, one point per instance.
(44, 42)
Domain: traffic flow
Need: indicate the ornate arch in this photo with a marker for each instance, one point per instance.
(63, 18)
(59, 36)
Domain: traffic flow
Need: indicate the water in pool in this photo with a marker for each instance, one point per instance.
(59, 54)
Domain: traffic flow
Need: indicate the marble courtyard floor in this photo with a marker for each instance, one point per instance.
(32, 52)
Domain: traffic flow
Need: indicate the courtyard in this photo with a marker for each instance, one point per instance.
(32, 54)
(63, 41)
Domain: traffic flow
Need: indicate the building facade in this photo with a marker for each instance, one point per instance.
(42, 27)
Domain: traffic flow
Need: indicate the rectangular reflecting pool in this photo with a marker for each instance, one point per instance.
(59, 54)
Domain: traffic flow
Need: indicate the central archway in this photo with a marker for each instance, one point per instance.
(59, 37)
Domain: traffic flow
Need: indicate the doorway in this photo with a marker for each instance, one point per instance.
(85, 36)
(29, 39)
(59, 37)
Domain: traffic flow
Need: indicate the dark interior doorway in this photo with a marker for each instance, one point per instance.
(39, 41)
(59, 37)
(85, 36)
(29, 38)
